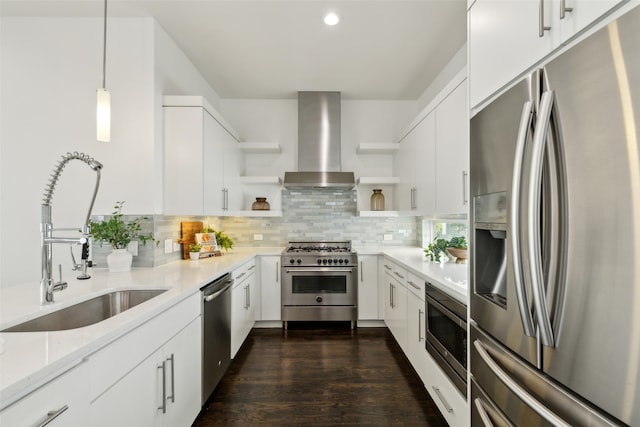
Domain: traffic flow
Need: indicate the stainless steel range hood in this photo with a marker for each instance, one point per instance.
(319, 144)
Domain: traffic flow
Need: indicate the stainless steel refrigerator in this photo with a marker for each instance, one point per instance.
(555, 259)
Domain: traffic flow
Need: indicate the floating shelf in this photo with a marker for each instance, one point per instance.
(378, 214)
(261, 214)
(377, 148)
(260, 147)
(379, 180)
(265, 180)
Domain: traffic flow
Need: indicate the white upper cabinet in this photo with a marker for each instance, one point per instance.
(202, 159)
(414, 164)
(452, 153)
(506, 38)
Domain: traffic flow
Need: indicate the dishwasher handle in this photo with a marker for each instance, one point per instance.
(227, 284)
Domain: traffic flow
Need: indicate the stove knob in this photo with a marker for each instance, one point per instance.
(324, 261)
(319, 261)
(335, 261)
(340, 260)
(299, 261)
(292, 261)
(346, 261)
(329, 260)
(318, 299)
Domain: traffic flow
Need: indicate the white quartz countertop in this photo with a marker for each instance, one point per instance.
(449, 277)
(28, 360)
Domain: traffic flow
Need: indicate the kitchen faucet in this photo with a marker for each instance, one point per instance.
(47, 286)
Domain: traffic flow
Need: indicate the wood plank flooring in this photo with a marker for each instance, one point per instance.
(320, 375)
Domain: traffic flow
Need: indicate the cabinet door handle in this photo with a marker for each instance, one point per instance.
(246, 297)
(52, 415)
(164, 387)
(277, 272)
(420, 313)
(442, 399)
(564, 9)
(541, 27)
(465, 198)
(361, 272)
(173, 388)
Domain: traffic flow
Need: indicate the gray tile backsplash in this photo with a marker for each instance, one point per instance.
(306, 215)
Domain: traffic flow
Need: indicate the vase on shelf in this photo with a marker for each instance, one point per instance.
(377, 200)
(260, 204)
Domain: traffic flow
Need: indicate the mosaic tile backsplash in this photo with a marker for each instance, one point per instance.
(306, 215)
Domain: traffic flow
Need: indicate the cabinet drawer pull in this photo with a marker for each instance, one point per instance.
(442, 399)
(164, 387)
(465, 198)
(252, 267)
(398, 274)
(173, 388)
(243, 273)
(413, 284)
(387, 267)
(541, 27)
(52, 415)
(564, 9)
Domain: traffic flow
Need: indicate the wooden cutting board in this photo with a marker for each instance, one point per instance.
(189, 230)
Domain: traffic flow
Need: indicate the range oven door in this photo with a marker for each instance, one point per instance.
(319, 286)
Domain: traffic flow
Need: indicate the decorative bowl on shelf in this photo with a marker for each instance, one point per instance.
(460, 254)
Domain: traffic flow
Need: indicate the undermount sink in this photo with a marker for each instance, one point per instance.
(87, 312)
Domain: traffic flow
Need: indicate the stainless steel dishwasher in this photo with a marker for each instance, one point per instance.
(216, 332)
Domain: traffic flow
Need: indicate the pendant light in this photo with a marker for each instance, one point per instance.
(103, 109)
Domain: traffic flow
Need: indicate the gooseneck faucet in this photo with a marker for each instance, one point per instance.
(47, 286)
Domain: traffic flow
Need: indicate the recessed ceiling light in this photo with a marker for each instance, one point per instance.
(331, 19)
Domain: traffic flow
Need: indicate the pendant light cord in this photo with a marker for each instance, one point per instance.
(104, 48)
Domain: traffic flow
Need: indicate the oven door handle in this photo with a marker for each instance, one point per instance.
(450, 314)
(321, 270)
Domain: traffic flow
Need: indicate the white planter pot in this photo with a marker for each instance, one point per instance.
(119, 260)
(194, 256)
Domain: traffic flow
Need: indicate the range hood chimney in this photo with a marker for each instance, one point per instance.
(319, 144)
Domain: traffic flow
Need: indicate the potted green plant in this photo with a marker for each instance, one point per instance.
(119, 234)
(224, 242)
(457, 247)
(194, 251)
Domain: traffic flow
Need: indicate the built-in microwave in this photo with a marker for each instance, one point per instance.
(447, 335)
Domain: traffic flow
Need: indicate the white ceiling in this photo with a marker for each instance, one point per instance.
(381, 49)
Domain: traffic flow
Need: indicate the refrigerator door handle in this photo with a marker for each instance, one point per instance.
(533, 219)
(516, 389)
(521, 292)
(484, 417)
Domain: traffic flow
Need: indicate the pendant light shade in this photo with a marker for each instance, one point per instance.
(103, 98)
(103, 115)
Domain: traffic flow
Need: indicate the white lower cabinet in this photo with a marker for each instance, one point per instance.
(61, 402)
(405, 316)
(271, 293)
(152, 375)
(368, 287)
(453, 405)
(243, 301)
(416, 351)
(396, 303)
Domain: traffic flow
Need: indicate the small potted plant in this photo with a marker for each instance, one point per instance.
(457, 247)
(119, 234)
(194, 251)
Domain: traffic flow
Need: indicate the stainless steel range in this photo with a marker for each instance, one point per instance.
(319, 282)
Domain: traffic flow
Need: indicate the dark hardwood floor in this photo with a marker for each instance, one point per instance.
(320, 375)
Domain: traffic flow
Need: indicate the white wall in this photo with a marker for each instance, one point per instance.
(51, 68)
(277, 121)
(457, 63)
